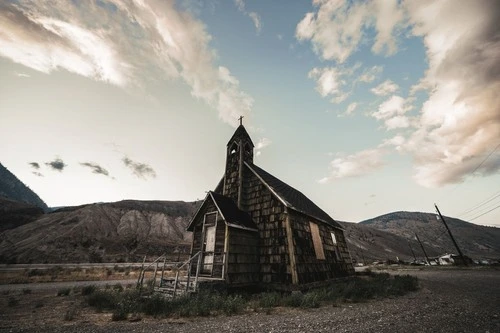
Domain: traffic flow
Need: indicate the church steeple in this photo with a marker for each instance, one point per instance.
(239, 150)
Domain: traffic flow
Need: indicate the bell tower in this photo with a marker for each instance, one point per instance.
(239, 150)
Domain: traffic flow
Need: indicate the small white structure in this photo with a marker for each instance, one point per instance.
(447, 259)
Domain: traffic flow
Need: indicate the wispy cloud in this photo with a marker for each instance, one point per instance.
(330, 82)
(124, 43)
(57, 164)
(385, 88)
(38, 174)
(370, 74)
(355, 165)
(34, 165)
(23, 75)
(96, 168)
(240, 4)
(141, 170)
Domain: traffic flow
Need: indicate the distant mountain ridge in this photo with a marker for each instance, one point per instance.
(117, 231)
(474, 240)
(13, 188)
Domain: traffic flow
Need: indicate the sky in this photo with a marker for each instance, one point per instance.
(367, 107)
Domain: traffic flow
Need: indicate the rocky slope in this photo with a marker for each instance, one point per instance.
(120, 231)
(12, 188)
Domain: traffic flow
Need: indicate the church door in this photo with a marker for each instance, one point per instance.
(209, 242)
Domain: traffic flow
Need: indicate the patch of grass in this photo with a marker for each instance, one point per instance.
(64, 292)
(102, 300)
(357, 289)
(26, 291)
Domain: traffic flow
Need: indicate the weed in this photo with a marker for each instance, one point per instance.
(64, 292)
(102, 300)
(26, 291)
(269, 300)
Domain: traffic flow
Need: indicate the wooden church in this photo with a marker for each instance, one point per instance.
(254, 229)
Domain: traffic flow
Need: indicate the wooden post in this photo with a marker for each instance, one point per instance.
(423, 250)
(189, 274)
(154, 275)
(197, 272)
(176, 280)
(451, 236)
(414, 257)
(163, 271)
(139, 282)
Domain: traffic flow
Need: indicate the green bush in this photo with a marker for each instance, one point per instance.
(102, 300)
(269, 300)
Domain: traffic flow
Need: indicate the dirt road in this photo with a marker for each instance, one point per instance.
(448, 301)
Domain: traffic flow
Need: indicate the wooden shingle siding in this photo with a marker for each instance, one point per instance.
(309, 267)
(269, 215)
(243, 258)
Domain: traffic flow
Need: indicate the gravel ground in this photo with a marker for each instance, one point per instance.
(448, 301)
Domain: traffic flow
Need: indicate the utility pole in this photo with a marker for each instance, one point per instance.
(451, 236)
(412, 250)
(423, 250)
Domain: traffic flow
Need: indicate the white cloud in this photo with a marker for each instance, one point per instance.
(458, 125)
(460, 122)
(123, 43)
(256, 21)
(395, 105)
(370, 74)
(385, 88)
(397, 122)
(351, 107)
(355, 165)
(24, 75)
(263, 143)
(338, 26)
(329, 82)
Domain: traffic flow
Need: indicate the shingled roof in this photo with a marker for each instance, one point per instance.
(291, 197)
(232, 215)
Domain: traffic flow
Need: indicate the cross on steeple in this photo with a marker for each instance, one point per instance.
(241, 120)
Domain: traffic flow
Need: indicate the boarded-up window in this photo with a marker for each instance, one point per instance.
(334, 239)
(210, 218)
(318, 245)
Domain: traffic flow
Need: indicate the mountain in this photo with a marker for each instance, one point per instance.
(14, 189)
(474, 240)
(119, 231)
(14, 213)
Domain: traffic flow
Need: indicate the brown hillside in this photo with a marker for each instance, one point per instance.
(476, 241)
(120, 231)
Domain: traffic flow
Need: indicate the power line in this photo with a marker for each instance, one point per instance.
(483, 209)
(475, 169)
(484, 213)
(480, 204)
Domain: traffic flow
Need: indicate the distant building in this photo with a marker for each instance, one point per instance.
(255, 229)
